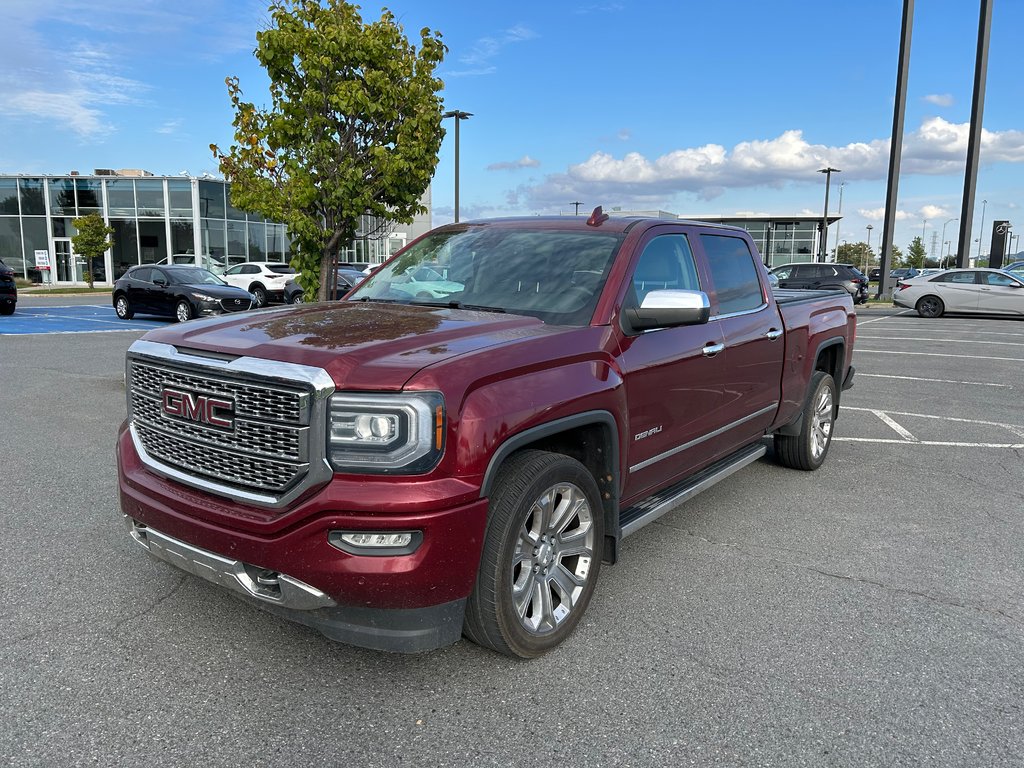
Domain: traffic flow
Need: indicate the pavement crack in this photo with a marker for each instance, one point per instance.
(155, 604)
(945, 601)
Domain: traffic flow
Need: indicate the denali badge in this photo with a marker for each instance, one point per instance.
(647, 433)
(205, 409)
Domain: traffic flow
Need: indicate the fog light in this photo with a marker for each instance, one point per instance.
(376, 542)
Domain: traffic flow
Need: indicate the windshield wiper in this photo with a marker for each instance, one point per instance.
(458, 305)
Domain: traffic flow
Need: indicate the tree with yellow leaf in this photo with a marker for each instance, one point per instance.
(353, 128)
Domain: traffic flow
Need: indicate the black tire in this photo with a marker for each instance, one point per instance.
(297, 298)
(260, 293)
(808, 450)
(529, 563)
(7, 309)
(183, 311)
(930, 306)
(123, 307)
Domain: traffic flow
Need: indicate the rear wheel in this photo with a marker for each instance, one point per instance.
(7, 309)
(123, 308)
(183, 311)
(930, 306)
(808, 449)
(541, 556)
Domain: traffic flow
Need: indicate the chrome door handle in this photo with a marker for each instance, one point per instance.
(773, 334)
(710, 350)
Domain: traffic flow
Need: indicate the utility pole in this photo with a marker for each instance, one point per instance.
(577, 203)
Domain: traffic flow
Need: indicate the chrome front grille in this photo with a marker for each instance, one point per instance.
(255, 443)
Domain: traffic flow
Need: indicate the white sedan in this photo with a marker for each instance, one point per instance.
(985, 291)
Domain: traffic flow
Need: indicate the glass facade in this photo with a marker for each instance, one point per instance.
(153, 218)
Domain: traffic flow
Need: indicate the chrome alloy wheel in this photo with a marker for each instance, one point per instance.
(821, 424)
(183, 312)
(552, 558)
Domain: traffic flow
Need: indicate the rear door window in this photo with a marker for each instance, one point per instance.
(734, 274)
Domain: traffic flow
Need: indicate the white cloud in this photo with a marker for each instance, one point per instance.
(479, 60)
(932, 212)
(937, 147)
(877, 214)
(939, 99)
(170, 126)
(523, 162)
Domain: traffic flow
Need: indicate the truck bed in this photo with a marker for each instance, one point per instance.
(796, 295)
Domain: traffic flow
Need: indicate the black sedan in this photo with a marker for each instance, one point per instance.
(8, 290)
(181, 292)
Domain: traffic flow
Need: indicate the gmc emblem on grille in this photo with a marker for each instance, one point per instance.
(203, 409)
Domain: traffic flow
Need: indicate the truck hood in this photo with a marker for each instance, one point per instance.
(369, 346)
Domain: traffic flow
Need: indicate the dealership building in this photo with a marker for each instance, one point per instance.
(153, 218)
(780, 239)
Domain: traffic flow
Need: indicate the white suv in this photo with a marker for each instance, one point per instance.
(265, 281)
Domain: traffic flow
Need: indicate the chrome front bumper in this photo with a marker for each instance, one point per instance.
(249, 580)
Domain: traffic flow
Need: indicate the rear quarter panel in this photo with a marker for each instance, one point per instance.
(813, 325)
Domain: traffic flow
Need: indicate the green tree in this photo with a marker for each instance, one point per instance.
(858, 254)
(896, 258)
(354, 128)
(916, 253)
(92, 241)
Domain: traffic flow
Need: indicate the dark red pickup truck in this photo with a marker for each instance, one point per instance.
(404, 467)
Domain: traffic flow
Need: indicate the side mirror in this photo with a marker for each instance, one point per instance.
(159, 281)
(668, 309)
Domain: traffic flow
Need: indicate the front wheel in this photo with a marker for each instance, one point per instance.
(123, 308)
(183, 311)
(808, 449)
(930, 306)
(541, 555)
(260, 294)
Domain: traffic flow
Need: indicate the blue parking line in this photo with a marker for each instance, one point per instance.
(85, 318)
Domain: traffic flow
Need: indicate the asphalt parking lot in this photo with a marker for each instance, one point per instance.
(870, 613)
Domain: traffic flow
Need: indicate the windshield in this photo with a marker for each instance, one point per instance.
(551, 275)
(195, 276)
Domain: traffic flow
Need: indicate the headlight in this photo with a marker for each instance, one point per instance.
(386, 433)
(204, 297)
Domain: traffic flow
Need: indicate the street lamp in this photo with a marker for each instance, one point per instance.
(459, 116)
(945, 261)
(840, 214)
(828, 171)
(870, 254)
(981, 233)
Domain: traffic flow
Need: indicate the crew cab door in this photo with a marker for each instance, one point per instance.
(673, 376)
(751, 327)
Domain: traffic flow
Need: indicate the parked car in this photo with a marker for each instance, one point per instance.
(397, 471)
(423, 282)
(204, 260)
(264, 280)
(347, 280)
(875, 275)
(903, 273)
(8, 290)
(985, 291)
(820, 276)
(176, 291)
(1016, 267)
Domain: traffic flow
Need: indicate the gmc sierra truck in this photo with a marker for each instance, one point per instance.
(397, 470)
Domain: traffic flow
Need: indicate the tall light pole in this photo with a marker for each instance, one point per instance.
(981, 232)
(459, 116)
(839, 213)
(822, 241)
(577, 203)
(943, 238)
(870, 254)
(945, 260)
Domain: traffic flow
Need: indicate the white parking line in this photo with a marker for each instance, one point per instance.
(880, 319)
(904, 433)
(940, 443)
(937, 418)
(937, 381)
(943, 341)
(933, 354)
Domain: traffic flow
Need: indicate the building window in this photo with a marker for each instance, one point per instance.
(62, 197)
(32, 201)
(179, 197)
(211, 199)
(257, 242)
(212, 234)
(90, 196)
(125, 252)
(236, 240)
(150, 197)
(152, 241)
(9, 197)
(121, 197)
(182, 236)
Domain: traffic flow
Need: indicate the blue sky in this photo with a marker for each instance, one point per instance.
(690, 107)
